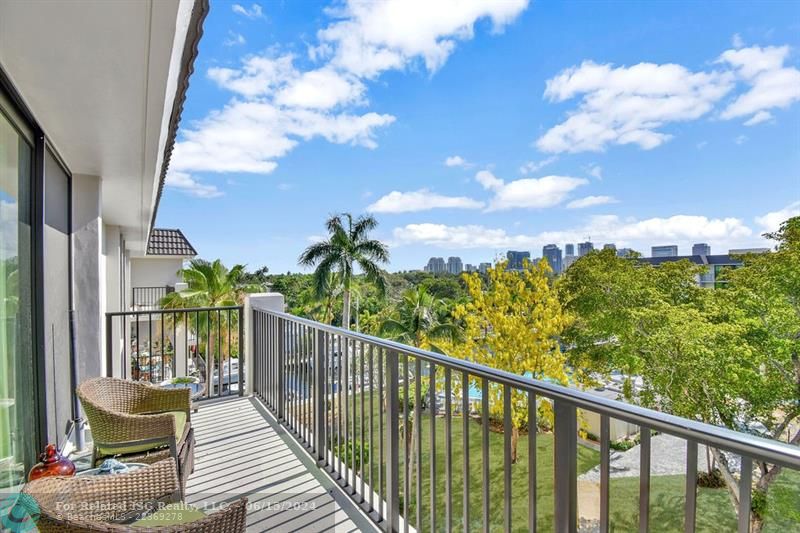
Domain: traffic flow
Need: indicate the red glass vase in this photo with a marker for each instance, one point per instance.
(52, 464)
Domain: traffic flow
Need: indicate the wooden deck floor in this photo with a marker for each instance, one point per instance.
(242, 451)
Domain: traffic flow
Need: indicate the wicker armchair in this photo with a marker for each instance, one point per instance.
(111, 503)
(137, 422)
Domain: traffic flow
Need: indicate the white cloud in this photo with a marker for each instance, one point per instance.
(740, 139)
(679, 229)
(457, 161)
(254, 12)
(258, 75)
(421, 200)
(701, 145)
(590, 201)
(283, 186)
(772, 221)
(532, 166)
(527, 192)
(249, 136)
(185, 183)
(278, 104)
(488, 180)
(372, 37)
(772, 85)
(737, 41)
(234, 39)
(628, 105)
(758, 118)
(322, 89)
(595, 171)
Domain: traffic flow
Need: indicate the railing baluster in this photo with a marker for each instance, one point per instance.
(605, 468)
(745, 493)
(319, 396)
(532, 432)
(485, 451)
(393, 448)
(465, 444)
(507, 457)
(691, 487)
(565, 465)
(163, 352)
(137, 375)
(361, 355)
(339, 417)
(221, 364)
(418, 443)
(353, 372)
(432, 404)
(175, 348)
(371, 422)
(280, 371)
(644, 481)
(406, 450)
(448, 454)
(150, 346)
(381, 441)
(307, 383)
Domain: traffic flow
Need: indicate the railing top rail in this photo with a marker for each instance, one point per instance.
(759, 448)
(175, 310)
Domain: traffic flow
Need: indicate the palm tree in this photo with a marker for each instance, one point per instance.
(211, 284)
(347, 245)
(418, 324)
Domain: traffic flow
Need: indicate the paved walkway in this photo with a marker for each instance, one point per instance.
(667, 457)
(242, 451)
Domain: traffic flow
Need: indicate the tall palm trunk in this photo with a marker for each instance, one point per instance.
(346, 308)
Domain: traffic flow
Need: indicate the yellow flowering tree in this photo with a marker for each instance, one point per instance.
(513, 322)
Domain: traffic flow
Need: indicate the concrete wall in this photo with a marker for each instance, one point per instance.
(154, 272)
(268, 301)
(88, 274)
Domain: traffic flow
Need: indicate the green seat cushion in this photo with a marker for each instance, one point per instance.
(180, 423)
(174, 514)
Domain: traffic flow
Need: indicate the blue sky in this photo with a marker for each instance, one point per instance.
(470, 128)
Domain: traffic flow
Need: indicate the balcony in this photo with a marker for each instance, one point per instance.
(336, 430)
(148, 298)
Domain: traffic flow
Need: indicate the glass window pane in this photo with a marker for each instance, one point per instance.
(16, 379)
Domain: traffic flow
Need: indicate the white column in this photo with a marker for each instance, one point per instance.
(112, 255)
(87, 274)
(267, 301)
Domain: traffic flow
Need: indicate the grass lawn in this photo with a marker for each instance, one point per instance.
(714, 510)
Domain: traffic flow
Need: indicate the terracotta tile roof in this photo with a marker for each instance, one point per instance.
(169, 242)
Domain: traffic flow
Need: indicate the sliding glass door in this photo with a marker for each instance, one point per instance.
(17, 382)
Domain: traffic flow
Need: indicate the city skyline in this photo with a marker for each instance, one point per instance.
(560, 258)
(475, 135)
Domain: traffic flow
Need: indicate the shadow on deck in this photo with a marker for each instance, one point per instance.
(242, 451)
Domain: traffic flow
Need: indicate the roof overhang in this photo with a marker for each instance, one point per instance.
(107, 81)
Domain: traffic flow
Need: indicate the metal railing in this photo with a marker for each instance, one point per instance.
(358, 405)
(145, 298)
(197, 348)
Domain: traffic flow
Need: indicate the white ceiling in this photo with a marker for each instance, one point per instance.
(100, 77)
